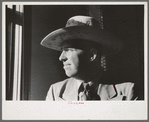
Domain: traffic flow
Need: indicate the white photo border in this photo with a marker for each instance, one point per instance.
(42, 110)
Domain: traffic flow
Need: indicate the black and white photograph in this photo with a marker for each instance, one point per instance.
(75, 57)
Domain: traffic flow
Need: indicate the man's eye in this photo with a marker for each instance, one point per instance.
(68, 49)
(71, 49)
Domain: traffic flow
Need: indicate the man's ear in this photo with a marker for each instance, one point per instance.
(93, 54)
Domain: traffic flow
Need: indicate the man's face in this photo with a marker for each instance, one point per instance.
(72, 59)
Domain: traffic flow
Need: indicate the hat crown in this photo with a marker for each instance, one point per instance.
(82, 21)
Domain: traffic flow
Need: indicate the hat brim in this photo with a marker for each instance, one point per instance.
(110, 43)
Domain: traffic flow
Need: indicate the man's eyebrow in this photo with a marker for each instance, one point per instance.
(68, 48)
(64, 48)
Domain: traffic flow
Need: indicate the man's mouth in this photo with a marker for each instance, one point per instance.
(66, 66)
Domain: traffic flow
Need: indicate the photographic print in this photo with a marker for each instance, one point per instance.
(75, 57)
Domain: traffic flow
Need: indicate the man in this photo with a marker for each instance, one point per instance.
(82, 43)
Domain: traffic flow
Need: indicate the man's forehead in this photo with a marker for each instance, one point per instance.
(78, 44)
(73, 44)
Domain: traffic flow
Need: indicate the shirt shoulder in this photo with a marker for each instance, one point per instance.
(60, 84)
(109, 91)
(124, 87)
(59, 87)
(55, 91)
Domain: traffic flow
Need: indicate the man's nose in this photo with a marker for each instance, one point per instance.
(63, 56)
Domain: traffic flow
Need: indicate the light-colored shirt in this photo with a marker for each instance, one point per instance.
(68, 90)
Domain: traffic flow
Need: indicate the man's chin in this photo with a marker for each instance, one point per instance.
(72, 76)
(69, 74)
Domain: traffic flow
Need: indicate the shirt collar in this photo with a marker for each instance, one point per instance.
(93, 83)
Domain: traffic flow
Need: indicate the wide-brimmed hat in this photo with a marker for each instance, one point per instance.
(86, 28)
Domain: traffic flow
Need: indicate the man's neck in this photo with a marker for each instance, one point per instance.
(89, 77)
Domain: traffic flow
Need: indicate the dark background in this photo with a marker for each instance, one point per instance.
(42, 67)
